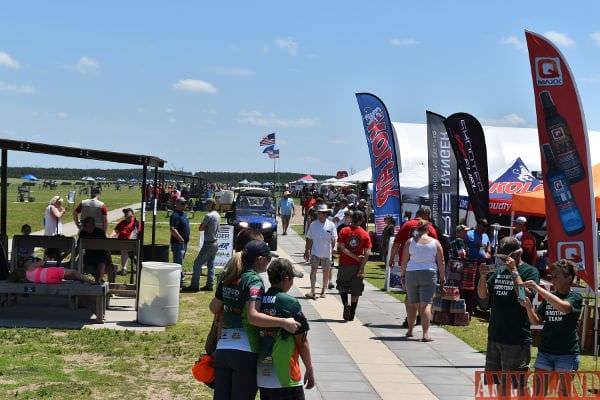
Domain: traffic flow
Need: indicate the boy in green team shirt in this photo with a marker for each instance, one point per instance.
(279, 376)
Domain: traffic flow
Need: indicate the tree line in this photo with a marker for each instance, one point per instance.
(231, 178)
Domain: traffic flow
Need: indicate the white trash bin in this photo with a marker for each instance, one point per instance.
(158, 302)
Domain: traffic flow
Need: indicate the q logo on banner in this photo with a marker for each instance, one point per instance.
(548, 72)
(573, 251)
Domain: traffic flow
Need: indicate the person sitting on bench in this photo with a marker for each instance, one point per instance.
(38, 271)
(96, 261)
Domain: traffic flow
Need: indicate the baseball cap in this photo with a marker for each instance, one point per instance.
(181, 200)
(507, 246)
(258, 248)
(461, 228)
(286, 193)
(126, 210)
(280, 268)
(482, 221)
(520, 220)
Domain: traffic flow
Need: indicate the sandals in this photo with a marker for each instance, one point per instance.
(322, 295)
(311, 295)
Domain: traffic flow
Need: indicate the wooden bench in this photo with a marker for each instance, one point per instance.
(10, 291)
(47, 242)
(112, 245)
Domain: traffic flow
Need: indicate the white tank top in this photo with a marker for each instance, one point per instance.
(422, 256)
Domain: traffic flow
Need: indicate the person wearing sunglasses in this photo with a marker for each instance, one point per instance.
(509, 329)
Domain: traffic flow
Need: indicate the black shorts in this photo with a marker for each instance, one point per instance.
(348, 280)
(289, 393)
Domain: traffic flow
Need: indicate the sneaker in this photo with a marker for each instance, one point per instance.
(330, 286)
(206, 288)
(189, 289)
(123, 272)
(346, 313)
(323, 295)
(311, 295)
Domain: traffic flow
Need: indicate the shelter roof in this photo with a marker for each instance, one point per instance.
(101, 155)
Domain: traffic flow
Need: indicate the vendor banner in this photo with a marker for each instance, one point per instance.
(443, 176)
(566, 167)
(468, 142)
(381, 141)
(224, 245)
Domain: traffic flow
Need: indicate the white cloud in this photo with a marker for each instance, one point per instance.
(265, 49)
(562, 39)
(235, 71)
(11, 87)
(596, 37)
(7, 61)
(403, 42)
(194, 85)
(590, 79)
(62, 115)
(86, 65)
(256, 118)
(515, 42)
(513, 120)
(169, 111)
(288, 44)
(311, 160)
(337, 141)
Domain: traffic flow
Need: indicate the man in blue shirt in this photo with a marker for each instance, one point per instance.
(285, 209)
(478, 242)
(180, 234)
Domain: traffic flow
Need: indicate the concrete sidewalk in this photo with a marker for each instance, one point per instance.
(369, 358)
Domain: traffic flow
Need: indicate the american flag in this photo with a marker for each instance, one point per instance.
(268, 140)
(274, 154)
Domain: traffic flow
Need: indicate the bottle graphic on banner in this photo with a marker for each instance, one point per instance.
(561, 140)
(568, 212)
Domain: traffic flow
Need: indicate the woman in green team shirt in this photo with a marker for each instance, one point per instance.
(560, 309)
(239, 300)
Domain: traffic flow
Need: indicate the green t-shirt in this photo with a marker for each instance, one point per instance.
(237, 333)
(559, 335)
(508, 320)
(278, 365)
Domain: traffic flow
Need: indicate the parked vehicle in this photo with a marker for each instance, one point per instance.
(255, 208)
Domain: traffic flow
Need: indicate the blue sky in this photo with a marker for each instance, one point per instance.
(199, 83)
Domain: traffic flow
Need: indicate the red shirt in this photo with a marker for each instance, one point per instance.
(407, 229)
(125, 228)
(355, 239)
(308, 203)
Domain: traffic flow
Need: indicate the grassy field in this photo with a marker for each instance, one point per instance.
(107, 364)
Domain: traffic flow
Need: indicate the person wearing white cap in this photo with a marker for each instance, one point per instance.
(528, 243)
(320, 242)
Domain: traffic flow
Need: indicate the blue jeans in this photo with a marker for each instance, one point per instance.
(179, 250)
(207, 255)
(553, 362)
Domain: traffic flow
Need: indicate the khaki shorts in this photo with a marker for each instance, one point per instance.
(316, 262)
(348, 281)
